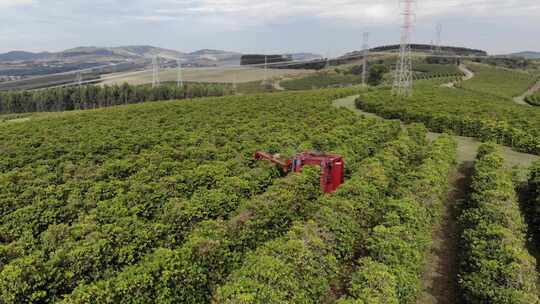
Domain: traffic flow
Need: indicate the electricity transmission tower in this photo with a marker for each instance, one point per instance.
(265, 69)
(79, 78)
(438, 38)
(365, 60)
(234, 82)
(403, 78)
(155, 71)
(179, 80)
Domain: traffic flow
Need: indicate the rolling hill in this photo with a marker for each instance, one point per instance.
(526, 55)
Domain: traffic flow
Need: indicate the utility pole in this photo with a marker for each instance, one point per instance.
(155, 71)
(365, 60)
(179, 80)
(403, 78)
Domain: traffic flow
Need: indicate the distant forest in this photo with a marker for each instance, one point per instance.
(94, 96)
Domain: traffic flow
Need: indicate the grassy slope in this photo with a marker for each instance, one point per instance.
(321, 80)
(498, 81)
(465, 112)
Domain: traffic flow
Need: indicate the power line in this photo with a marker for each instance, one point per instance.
(403, 78)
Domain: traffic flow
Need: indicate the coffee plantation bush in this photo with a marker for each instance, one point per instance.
(164, 196)
(466, 113)
(495, 266)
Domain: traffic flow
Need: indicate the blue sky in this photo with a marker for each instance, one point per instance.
(325, 27)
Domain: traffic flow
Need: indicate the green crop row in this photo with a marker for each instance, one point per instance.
(498, 81)
(303, 266)
(534, 99)
(462, 112)
(495, 266)
(443, 69)
(532, 205)
(213, 241)
(321, 80)
(225, 245)
(89, 195)
(391, 268)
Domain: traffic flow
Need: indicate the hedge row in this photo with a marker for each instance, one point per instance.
(494, 266)
(305, 265)
(465, 113)
(391, 268)
(533, 201)
(534, 99)
(77, 253)
(102, 192)
(187, 274)
(214, 250)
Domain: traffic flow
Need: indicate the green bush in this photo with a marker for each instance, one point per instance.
(92, 199)
(494, 267)
(463, 112)
(396, 245)
(338, 230)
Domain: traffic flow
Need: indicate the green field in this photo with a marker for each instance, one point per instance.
(428, 71)
(162, 202)
(321, 80)
(498, 81)
(534, 99)
(464, 112)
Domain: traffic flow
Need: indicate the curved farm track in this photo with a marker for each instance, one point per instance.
(521, 99)
(440, 274)
(468, 75)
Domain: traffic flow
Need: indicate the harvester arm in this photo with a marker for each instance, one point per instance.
(283, 164)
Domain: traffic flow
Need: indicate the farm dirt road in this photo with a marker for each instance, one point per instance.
(439, 284)
(468, 75)
(521, 99)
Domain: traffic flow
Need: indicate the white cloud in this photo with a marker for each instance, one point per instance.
(13, 3)
(362, 11)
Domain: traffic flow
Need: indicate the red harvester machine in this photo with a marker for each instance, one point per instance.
(332, 166)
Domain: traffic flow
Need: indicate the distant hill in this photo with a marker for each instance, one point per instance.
(305, 56)
(22, 56)
(428, 48)
(86, 54)
(526, 55)
(22, 64)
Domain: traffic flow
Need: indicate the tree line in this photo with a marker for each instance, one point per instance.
(97, 96)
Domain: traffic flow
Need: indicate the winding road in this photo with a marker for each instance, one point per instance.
(521, 99)
(468, 75)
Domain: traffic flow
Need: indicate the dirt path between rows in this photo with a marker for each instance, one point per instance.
(468, 75)
(521, 99)
(277, 84)
(439, 284)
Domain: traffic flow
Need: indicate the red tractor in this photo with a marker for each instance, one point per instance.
(332, 166)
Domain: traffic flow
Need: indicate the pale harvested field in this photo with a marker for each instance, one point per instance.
(209, 75)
